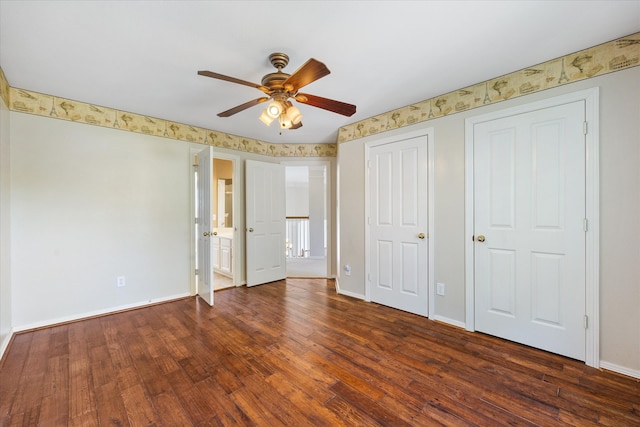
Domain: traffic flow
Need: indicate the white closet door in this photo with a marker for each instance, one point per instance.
(529, 210)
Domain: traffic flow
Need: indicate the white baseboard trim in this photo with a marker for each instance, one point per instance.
(90, 314)
(620, 369)
(451, 322)
(347, 293)
(5, 342)
(351, 294)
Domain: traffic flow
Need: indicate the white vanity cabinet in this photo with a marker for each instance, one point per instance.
(225, 255)
(215, 249)
(222, 250)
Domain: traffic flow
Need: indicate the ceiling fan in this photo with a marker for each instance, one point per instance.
(281, 87)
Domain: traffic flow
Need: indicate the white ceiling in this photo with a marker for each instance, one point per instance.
(142, 56)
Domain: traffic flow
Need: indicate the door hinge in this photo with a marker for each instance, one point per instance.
(585, 127)
(585, 225)
(586, 322)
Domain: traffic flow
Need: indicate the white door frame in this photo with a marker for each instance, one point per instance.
(429, 133)
(328, 204)
(592, 181)
(193, 150)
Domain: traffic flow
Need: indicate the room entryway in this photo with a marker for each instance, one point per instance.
(307, 212)
(223, 220)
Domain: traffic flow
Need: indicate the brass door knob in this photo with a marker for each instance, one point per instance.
(421, 236)
(215, 233)
(481, 238)
(250, 230)
(205, 234)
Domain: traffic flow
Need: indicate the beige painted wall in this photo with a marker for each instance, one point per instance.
(619, 212)
(5, 229)
(92, 204)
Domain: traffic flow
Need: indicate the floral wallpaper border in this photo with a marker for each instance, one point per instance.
(606, 58)
(4, 88)
(30, 102)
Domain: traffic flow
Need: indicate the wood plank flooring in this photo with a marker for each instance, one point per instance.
(294, 353)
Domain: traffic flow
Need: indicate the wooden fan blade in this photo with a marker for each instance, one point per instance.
(233, 80)
(327, 104)
(309, 72)
(296, 126)
(242, 107)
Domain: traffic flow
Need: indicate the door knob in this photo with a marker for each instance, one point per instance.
(421, 236)
(215, 233)
(481, 238)
(250, 230)
(205, 234)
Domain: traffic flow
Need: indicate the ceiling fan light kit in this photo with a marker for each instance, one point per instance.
(280, 87)
(266, 118)
(274, 109)
(294, 115)
(285, 123)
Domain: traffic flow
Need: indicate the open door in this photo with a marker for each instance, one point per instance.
(205, 252)
(266, 222)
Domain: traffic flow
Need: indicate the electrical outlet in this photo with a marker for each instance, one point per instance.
(440, 289)
(347, 270)
(121, 281)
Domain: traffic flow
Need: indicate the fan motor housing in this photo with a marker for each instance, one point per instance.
(274, 81)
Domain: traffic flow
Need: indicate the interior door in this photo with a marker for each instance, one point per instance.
(398, 225)
(205, 208)
(265, 222)
(529, 213)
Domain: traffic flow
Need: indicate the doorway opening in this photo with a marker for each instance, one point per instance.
(307, 224)
(222, 222)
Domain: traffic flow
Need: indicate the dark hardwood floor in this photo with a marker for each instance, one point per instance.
(295, 353)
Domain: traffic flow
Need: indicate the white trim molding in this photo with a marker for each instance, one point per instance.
(619, 369)
(5, 343)
(107, 311)
(347, 293)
